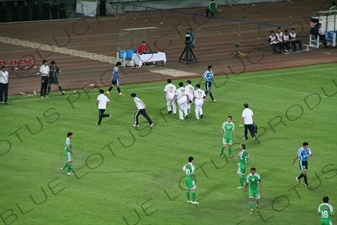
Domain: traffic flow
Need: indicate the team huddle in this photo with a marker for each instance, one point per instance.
(187, 95)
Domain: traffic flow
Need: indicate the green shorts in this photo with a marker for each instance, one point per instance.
(190, 183)
(227, 141)
(254, 194)
(69, 156)
(241, 170)
(326, 221)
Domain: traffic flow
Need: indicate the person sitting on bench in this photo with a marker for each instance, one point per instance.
(273, 42)
(321, 34)
(211, 9)
(294, 40)
(286, 40)
(143, 48)
(279, 38)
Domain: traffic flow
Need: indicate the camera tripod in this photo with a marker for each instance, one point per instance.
(189, 55)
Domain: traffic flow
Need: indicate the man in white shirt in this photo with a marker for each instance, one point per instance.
(141, 109)
(182, 100)
(170, 96)
(322, 35)
(102, 102)
(44, 72)
(248, 120)
(4, 85)
(189, 90)
(199, 96)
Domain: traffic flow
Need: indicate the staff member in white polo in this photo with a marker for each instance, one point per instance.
(141, 109)
(248, 120)
(4, 85)
(102, 102)
(44, 72)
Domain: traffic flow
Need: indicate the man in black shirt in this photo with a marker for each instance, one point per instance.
(62, 8)
(4, 12)
(54, 11)
(36, 11)
(25, 12)
(45, 8)
(15, 12)
(54, 76)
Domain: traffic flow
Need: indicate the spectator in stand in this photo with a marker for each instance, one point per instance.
(54, 11)
(15, 12)
(36, 11)
(62, 8)
(46, 10)
(25, 12)
(4, 12)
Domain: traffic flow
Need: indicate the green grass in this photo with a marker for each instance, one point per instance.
(142, 173)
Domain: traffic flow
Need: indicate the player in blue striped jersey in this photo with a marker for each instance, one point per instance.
(115, 80)
(208, 77)
(303, 154)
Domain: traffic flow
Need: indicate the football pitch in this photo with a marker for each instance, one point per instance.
(128, 175)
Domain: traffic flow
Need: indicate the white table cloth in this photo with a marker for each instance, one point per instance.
(145, 58)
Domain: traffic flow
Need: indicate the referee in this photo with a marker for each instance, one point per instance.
(44, 72)
(303, 155)
(248, 120)
(141, 109)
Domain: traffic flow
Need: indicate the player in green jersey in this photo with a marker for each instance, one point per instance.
(326, 211)
(243, 159)
(255, 188)
(228, 133)
(189, 170)
(69, 154)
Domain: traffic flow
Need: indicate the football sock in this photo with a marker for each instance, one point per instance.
(65, 166)
(69, 167)
(194, 195)
(60, 88)
(188, 195)
(300, 176)
(222, 149)
(251, 205)
(230, 151)
(305, 179)
(110, 88)
(241, 180)
(257, 202)
(49, 90)
(119, 90)
(211, 95)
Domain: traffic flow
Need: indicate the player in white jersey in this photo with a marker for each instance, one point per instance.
(182, 100)
(199, 96)
(170, 96)
(189, 90)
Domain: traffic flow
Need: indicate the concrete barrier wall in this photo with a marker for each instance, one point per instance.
(127, 6)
